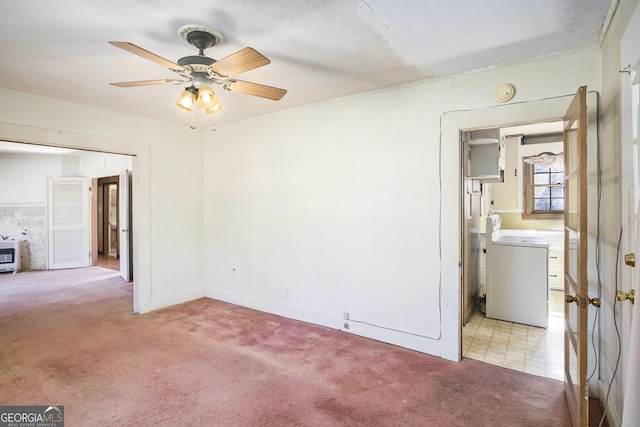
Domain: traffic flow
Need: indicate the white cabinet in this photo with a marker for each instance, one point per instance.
(556, 258)
(486, 160)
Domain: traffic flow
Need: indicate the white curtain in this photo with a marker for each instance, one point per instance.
(546, 159)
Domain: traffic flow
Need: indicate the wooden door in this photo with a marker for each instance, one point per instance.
(575, 243)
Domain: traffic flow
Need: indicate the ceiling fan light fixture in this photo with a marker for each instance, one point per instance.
(187, 98)
(199, 72)
(206, 97)
(214, 109)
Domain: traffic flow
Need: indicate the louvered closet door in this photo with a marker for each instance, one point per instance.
(68, 207)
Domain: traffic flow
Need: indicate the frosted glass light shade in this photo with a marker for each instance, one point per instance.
(187, 99)
(206, 97)
(214, 109)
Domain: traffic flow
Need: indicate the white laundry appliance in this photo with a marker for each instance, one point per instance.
(517, 276)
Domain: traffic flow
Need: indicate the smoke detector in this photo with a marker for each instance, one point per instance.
(504, 92)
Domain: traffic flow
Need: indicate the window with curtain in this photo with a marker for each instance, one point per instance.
(543, 181)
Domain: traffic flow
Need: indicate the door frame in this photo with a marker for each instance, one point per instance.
(104, 182)
(452, 124)
(141, 191)
(123, 208)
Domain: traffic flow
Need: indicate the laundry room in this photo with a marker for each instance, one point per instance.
(513, 220)
(528, 200)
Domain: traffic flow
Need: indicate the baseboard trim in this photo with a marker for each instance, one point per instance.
(178, 298)
(276, 308)
(389, 336)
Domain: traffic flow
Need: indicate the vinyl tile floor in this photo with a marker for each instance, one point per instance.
(530, 349)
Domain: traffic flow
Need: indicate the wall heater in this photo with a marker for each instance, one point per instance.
(9, 255)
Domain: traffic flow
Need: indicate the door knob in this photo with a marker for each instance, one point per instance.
(623, 296)
(582, 302)
(570, 298)
(630, 259)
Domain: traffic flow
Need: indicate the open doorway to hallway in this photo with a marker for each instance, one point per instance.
(106, 222)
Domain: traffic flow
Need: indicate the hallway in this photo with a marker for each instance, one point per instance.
(109, 261)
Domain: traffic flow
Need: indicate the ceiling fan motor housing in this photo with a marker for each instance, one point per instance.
(201, 40)
(200, 36)
(196, 62)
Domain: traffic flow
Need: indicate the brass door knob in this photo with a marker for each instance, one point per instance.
(623, 296)
(570, 298)
(630, 259)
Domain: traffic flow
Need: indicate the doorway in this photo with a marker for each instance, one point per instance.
(494, 188)
(39, 163)
(107, 222)
(139, 154)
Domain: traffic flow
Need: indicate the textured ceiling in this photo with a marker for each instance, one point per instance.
(319, 49)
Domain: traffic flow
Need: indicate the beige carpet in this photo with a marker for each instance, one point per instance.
(69, 338)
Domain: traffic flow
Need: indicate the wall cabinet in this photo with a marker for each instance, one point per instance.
(486, 160)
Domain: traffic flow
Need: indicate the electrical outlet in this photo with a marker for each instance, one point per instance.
(287, 292)
(346, 325)
(345, 316)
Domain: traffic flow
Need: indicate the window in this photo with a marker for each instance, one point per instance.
(543, 191)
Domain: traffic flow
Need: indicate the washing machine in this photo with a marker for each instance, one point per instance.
(517, 276)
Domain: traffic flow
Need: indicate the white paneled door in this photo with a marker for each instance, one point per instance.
(68, 222)
(124, 204)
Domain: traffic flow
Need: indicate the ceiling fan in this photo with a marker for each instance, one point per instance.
(198, 72)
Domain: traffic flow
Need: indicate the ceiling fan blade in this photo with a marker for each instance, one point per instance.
(255, 89)
(239, 62)
(146, 82)
(136, 50)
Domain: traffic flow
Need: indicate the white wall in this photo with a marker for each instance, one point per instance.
(99, 165)
(167, 185)
(336, 207)
(23, 202)
(24, 177)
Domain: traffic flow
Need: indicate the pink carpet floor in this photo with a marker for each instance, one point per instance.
(69, 338)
